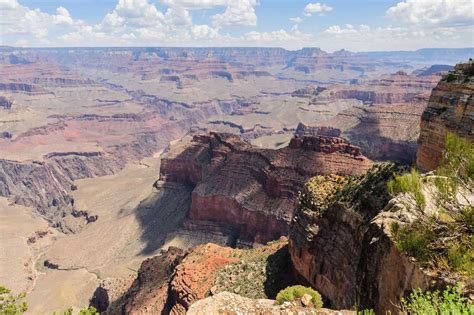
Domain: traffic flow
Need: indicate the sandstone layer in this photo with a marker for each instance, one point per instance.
(450, 109)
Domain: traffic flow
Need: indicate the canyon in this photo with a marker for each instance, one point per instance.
(184, 146)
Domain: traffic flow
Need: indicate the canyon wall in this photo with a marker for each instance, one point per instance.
(450, 109)
(254, 191)
(345, 250)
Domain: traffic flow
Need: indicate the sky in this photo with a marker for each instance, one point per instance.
(356, 25)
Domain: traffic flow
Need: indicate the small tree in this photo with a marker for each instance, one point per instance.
(454, 179)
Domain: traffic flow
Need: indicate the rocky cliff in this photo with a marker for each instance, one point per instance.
(253, 191)
(450, 109)
(342, 238)
(341, 243)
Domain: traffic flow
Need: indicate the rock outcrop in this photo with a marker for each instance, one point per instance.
(450, 109)
(251, 190)
(149, 293)
(344, 249)
(173, 281)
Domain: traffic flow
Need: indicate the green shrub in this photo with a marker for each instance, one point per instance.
(85, 311)
(460, 257)
(89, 311)
(451, 77)
(450, 301)
(413, 240)
(292, 293)
(408, 183)
(11, 304)
(467, 216)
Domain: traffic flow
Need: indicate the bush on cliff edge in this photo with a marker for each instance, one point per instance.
(292, 293)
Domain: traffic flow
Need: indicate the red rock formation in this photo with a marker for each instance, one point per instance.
(172, 281)
(195, 276)
(252, 190)
(450, 109)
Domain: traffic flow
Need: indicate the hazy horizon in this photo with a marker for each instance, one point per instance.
(232, 47)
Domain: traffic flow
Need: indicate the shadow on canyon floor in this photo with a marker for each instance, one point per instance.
(161, 213)
(378, 147)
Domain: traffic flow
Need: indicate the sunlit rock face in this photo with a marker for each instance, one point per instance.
(450, 109)
(252, 190)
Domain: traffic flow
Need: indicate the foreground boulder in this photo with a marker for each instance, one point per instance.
(230, 303)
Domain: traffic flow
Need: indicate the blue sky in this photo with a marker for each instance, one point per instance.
(334, 24)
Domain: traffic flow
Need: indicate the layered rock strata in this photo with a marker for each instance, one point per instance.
(344, 247)
(251, 190)
(450, 109)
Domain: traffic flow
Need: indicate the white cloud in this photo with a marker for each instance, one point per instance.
(142, 23)
(296, 20)
(63, 17)
(317, 7)
(434, 12)
(240, 12)
(237, 12)
(8, 4)
(196, 4)
(23, 25)
(204, 31)
(365, 38)
(280, 36)
(337, 30)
